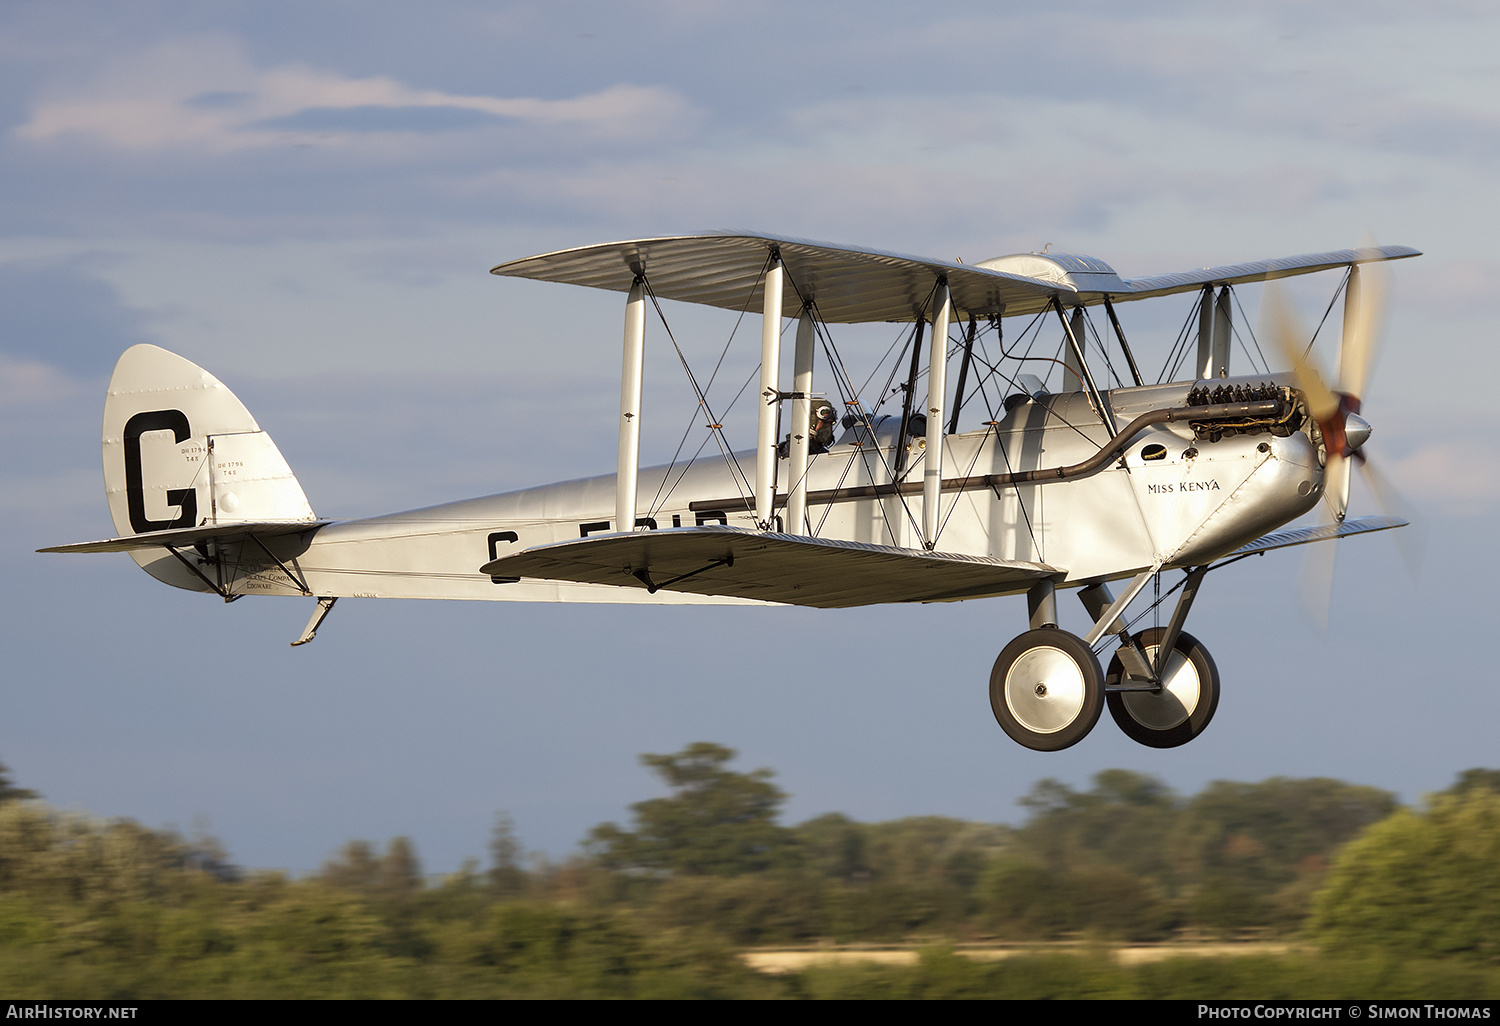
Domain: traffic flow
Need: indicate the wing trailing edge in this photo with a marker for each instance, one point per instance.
(789, 569)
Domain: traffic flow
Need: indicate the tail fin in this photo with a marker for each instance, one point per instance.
(180, 451)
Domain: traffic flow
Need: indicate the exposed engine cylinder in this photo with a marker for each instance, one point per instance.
(1280, 424)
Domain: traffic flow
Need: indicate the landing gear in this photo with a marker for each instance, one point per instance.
(1046, 689)
(1186, 702)
(1047, 692)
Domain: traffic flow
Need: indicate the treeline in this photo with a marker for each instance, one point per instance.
(1126, 860)
(1402, 901)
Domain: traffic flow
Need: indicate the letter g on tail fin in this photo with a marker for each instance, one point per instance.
(186, 499)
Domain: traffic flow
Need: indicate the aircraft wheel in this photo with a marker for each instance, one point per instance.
(1046, 689)
(1181, 710)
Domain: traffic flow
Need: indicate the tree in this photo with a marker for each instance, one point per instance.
(1266, 835)
(833, 846)
(356, 868)
(1419, 883)
(932, 850)
(1473, 779)
(506, 875)
(1120, 822)
(1026, 899)
(716, 822)
(400, 869)
(10, 792)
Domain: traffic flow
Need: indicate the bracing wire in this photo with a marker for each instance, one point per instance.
(1332, 300)
(1265, 367)
(843, 380)
(903, 338)
(1093, 332)
(1179, 348)
(1032, 329)
(715, 426)
(994, 426)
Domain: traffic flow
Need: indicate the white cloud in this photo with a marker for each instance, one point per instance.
(1462, 476)
(33, 384)
(204, 95)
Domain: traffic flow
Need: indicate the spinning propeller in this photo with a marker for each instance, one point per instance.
(1336, 411)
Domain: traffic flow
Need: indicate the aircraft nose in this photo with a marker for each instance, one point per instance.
(1356, 431)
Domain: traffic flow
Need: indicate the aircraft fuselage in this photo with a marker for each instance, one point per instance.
(1170, 500)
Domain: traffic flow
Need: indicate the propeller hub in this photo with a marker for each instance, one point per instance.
(1344, 430)
(1356, 431)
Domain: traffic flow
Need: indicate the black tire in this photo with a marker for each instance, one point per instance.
(1046, 689)
(1183, 709)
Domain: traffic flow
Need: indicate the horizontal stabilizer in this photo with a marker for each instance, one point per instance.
(1323, 532)
(716, 560)
(186, 537)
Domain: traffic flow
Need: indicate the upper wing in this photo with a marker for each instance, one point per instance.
(716, 560)
(848, 285)
(1260, 270)
(851, 285)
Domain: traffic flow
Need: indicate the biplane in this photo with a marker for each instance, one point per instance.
(999, 484)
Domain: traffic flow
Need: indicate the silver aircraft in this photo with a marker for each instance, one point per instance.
(839, 504)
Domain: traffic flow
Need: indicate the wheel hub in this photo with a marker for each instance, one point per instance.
(1057, 696)
(1174, 702)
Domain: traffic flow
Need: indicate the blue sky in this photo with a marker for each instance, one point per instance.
(305, 199)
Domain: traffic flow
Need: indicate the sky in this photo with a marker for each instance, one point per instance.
(305, 198)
